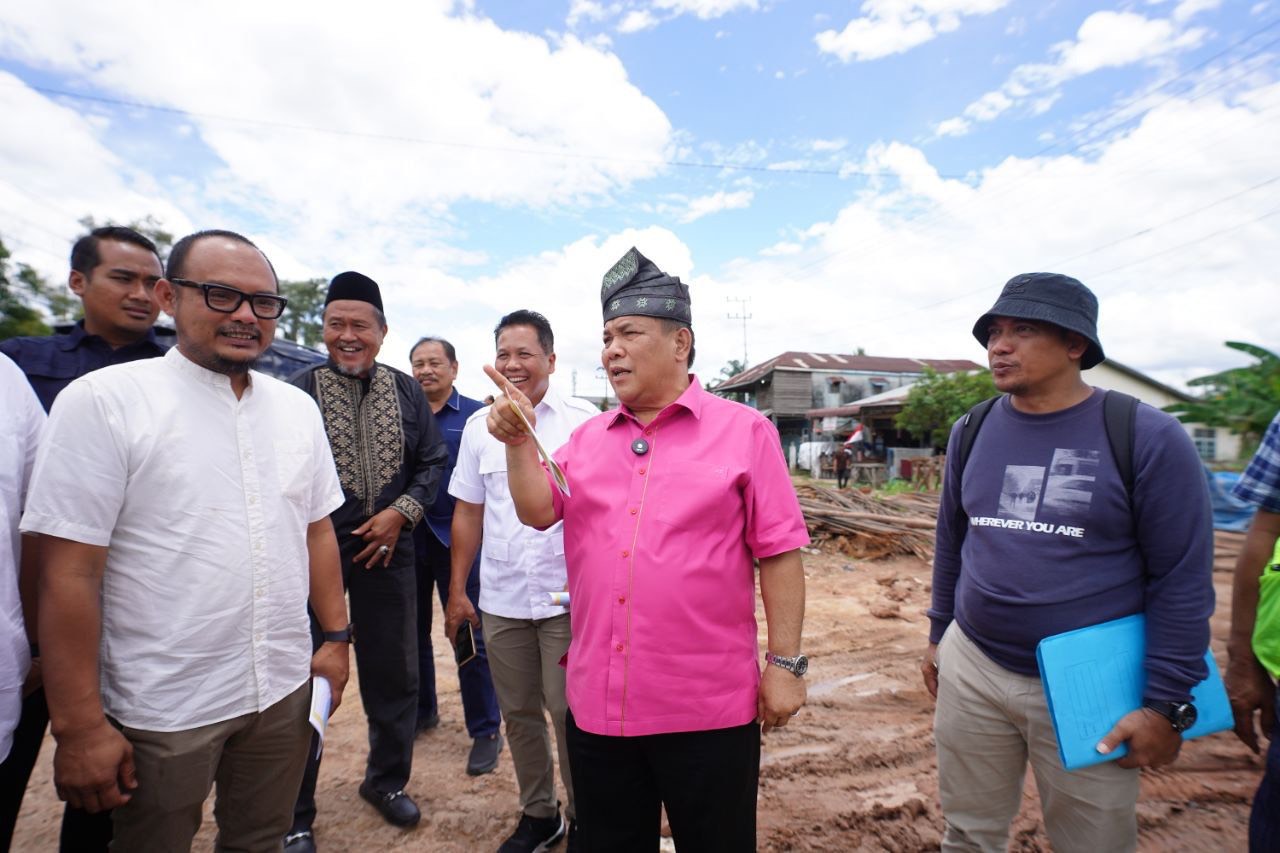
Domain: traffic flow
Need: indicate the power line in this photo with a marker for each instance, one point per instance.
(562, 153)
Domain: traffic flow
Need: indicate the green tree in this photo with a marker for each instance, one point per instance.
(1242, 399)
(731, 369)
(148, 226)
(18, 316)
(937, 401)
(303, 318)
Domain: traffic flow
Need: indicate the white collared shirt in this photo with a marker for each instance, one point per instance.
(518, 565)
(203, 502)
(21, 419)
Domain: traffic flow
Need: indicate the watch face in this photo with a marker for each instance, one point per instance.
(1183, 716)
(802, 665)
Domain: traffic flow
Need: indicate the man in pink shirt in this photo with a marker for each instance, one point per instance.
(675, 496)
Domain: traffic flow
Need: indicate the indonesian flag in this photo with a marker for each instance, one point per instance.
(855, 438)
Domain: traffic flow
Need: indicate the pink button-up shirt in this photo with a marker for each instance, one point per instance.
(659, 548)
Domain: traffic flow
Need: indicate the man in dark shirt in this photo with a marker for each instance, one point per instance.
(390, 458)
(1038, 534)
(113, 271)
(435, 365)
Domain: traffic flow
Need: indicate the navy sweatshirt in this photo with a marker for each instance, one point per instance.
(1052, 543)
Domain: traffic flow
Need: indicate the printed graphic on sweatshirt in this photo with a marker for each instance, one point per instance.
(1020, 492)
(1068, 491)
(1052, 501)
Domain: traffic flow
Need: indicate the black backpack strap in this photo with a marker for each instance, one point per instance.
(1119, 415)
(968, 432)
(969, 429)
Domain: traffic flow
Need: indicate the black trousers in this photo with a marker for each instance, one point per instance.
(82, 832)
(384, 612)
(707, 780)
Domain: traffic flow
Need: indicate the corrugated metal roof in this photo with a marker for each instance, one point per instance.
(843, 363)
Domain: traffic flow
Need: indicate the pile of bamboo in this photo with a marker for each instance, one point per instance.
(868, 526)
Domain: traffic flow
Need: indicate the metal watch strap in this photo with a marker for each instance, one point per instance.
(797, 665)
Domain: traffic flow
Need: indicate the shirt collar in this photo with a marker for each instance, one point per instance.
(72, 336)
(690, 399)
(452, 402)
(204, 375)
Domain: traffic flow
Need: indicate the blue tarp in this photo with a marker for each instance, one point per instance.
(1229, 512)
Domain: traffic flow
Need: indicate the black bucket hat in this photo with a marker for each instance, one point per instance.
(1051, 298)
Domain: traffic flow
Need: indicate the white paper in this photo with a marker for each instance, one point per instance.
(321, 701)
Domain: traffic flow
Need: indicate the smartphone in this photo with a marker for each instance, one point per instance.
(464, 646)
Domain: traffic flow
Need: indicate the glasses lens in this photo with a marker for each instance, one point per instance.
(268, 307)
(222, 298)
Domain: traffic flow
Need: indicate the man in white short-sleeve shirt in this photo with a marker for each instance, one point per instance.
(21, 419)
(183, 504)
(525, 634)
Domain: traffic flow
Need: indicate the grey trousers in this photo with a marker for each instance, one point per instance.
(524, 660)
(988, 722)
(256, 760)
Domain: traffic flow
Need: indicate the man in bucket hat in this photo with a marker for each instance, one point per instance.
(1044, 535)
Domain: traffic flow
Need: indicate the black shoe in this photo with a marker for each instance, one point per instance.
(300, 842)
(571, 843)
(426, 724)
(396, 808)
(484, 755)
(534, 834)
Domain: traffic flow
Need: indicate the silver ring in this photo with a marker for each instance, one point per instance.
(384, 549)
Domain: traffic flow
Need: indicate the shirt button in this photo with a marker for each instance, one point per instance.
(618, 647)
(633, 510)
(648, 432)
(641, 472)
(626, 553)
(622, 599)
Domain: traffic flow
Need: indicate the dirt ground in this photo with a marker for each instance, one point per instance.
(855, 771)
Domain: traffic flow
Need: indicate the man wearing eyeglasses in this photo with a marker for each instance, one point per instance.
(183, 509)
(390, 457)
(113, 272)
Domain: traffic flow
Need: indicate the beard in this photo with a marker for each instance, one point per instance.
(353, 372)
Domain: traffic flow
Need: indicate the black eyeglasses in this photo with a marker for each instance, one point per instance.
(226, 300)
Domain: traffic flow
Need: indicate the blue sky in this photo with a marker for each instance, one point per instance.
(865, 174)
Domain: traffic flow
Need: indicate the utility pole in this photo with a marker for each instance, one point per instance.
(744, 316)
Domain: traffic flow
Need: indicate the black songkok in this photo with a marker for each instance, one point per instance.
(354, 285)
(635, 285)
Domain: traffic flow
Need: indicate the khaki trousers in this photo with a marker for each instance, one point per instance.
(255, 759)
(988, 722)
(524, 660)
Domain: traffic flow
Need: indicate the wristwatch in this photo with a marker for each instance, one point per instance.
(1181, 715)
(343, 636)
(797, 665)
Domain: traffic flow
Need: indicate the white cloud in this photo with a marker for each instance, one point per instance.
(823, 146)
(436, 110)
(585, 10)
(637, 20)
(923, 256)
(716, 202)
(1189, 8)
(952, 127)
(54, 169)
(1104, 40)
(705, 9)
(887, 27)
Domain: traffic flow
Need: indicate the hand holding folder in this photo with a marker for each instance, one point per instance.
(1094, 676)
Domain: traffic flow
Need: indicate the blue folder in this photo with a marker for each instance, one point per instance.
(1094, 676)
